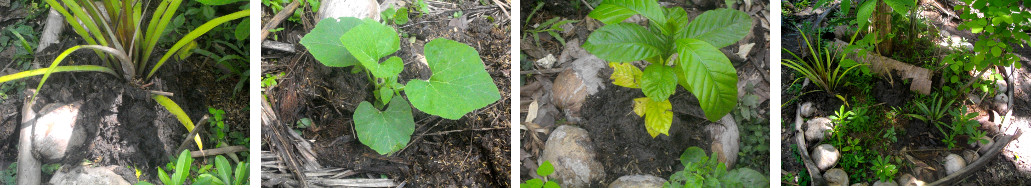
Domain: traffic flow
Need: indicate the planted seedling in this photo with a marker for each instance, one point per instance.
(544, 170)
(678, 52)
(459, 83)
(702, 171)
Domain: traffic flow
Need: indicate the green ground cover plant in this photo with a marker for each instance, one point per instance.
(459, 83)
(222, 174)
(679, 51)
(544, 170)
(702, 171)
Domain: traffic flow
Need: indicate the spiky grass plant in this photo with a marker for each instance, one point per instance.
(115, 30)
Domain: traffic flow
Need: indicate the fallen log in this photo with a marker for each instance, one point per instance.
(980, 163)
(814, 171)
(881, 65)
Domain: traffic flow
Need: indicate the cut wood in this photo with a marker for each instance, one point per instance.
(280, 46)
(51, 31)
(884, 66)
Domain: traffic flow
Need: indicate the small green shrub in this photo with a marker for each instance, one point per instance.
(825, 68)
(934, 113)
(224, 173)
(459, 84)
(698, 65)
(544, 170)
(702, 171)
(884, 170)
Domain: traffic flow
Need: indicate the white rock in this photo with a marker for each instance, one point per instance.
(954, 163)
(349, 8)
(547, 62)
(568, 92)
(808, 109)
(909, 180)
(818, 128)
(55, 132)
(571, 151)
(1000, 86)
(638, 181)
(836, 177)
(825, 156)
(887, 183)
(859, 184)
(87, 176)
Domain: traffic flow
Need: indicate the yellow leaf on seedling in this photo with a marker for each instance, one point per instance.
(658, 115)
(626, 75)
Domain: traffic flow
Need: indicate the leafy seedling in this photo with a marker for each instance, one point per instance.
(459, 83)
(679, 52)
(544, 170)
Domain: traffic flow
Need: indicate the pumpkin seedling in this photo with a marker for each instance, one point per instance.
(459, 83)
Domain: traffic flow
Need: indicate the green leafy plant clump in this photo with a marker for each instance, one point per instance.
(702, 171)
(679, 53)
(459, 83)
(224, 173)
(544, 170)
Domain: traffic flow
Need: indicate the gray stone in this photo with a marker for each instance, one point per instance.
(909, 180)
(571, 151)
(836, 177)
(817, 129)
(885, 183)
(638, 181)
(954, 163)
(825, 156)
(571, 51)
(80, 175)
(808, 109)
(860, 184)
(970, 155)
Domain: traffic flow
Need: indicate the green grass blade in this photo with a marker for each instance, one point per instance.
(166, 17)
(41, 71)
(24, 44)
(197, 33)
(69, 51)
(180, 115)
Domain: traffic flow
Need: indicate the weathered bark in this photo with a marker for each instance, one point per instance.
(28, 166)
(882, 27)
(885, 66)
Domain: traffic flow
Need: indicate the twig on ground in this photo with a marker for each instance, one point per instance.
(189, 137)
(544, 71)
(478, 129)
(280, 46)
(276, 20)
(218, 151)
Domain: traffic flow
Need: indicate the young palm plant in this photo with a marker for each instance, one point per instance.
(825, 68)
(115, 30)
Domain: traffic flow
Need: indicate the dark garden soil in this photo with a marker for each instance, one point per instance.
(473, 151)
(1005, 169)
(622, 144)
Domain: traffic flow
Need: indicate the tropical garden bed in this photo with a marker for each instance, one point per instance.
(925, 96)
(577, 115)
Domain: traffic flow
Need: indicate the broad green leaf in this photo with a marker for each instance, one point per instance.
(241, 174)
(658, 115)
(371, 41)
(746, 177)
(217, 2)
(720, 27)
(615, 11)
(864, 12)
(624, 42)
(846, 6)
(164, 177)
(708, 74)
(532, 183)
(401, 17)
(182, 168)
(459, 84)
(207, 179)
(640, 105)
(323, 42)
(658, 82)
(386, 131)
(545, 169)
(551, 184)
(222, 168)
(692, 155)
(626, 75)
(900, 6)
(243, 30)
(678, 19)
(384, 94)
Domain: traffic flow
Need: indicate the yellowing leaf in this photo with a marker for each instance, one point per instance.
(658, 115)
(626, 75)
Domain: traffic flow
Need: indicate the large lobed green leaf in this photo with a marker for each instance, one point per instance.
(371, 41)
(624, 42)
(708, 74)
(720, 27)
(658, 82)
(864, 12)
(615, 11)
(386, 131)
(459, 83)
(323, 42)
